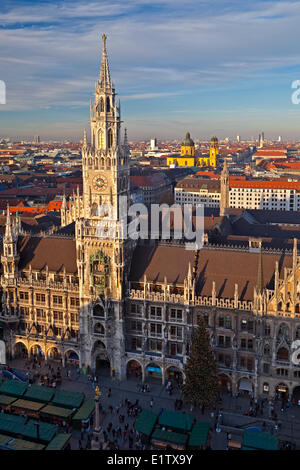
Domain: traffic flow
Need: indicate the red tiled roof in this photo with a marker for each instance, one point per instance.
(270, 153)
(143, 181)
(273, 184)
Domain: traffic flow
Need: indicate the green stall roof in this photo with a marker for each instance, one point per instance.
(167, 436)
(57, 411)
(59, 442)
(21, 444)
(259, 440)
(28, 405)
(13, 388)
(39, 393)
(6, 400)
(85, 411)
(68, 399)
(146, 422)
(11, 424)
(46, 431)
(176, 420)
(199, 434)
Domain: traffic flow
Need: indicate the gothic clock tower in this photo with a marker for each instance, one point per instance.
(103, 252)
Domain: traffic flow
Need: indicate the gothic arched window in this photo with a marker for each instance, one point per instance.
(107, 105)
(98, 311)
(101, 105)
(282, 354)
(100, 139)
(94, 209)
(283, 331)
(110, 139)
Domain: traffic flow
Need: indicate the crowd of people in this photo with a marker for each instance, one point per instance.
(123, 434)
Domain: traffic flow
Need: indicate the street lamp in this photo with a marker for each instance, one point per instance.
(37, 430)
(292, 428)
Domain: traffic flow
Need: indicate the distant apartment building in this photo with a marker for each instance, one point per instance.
(247, 194)
(194, 192)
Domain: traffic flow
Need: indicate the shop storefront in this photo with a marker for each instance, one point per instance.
(245, 386)
(282, 392)
(154, 370)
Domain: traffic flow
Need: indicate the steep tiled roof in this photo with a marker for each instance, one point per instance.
(54, 252)
(224, 266)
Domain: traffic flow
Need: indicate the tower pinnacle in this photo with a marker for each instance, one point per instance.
(104, 79)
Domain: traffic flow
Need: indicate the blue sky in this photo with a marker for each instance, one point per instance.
(212, 67)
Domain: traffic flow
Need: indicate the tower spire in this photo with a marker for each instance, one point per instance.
(84, 139)
(260, 275)
(8, 226)
(104, 79)
(224, 201)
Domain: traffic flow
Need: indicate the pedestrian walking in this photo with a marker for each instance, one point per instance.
(151, 402)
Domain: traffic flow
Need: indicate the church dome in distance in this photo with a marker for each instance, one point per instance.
(188, 142)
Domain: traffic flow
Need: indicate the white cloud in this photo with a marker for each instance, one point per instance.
(152, 53)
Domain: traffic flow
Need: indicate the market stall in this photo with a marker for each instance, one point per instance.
(167, 439)
(146, 423)
(13, 388)
(83, 415)
(6, 401)
(176, 421)
(199, 437)
(57, 414)
(256, 440)
(39, 393)
(68, 399)
(60, 442)
(30, 408)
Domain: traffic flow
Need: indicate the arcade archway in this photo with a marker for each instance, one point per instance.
(54, 354)
(102, 365)
(154, 372)
(296, 395)
(224, 383)
(245, 386)
(71, 357)
(174, 375)
(101, 360)
(37, 352)
(282, 392)
(20, 350)
(133, 369)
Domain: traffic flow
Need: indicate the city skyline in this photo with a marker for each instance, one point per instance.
(210, 69)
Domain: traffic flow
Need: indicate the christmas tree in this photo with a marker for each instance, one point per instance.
(201, 384)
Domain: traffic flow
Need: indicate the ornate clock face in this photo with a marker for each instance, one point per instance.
(100, 183)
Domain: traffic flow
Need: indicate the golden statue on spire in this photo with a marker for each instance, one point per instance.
(104, 37)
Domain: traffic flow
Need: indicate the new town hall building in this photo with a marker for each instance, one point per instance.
(74, 293)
